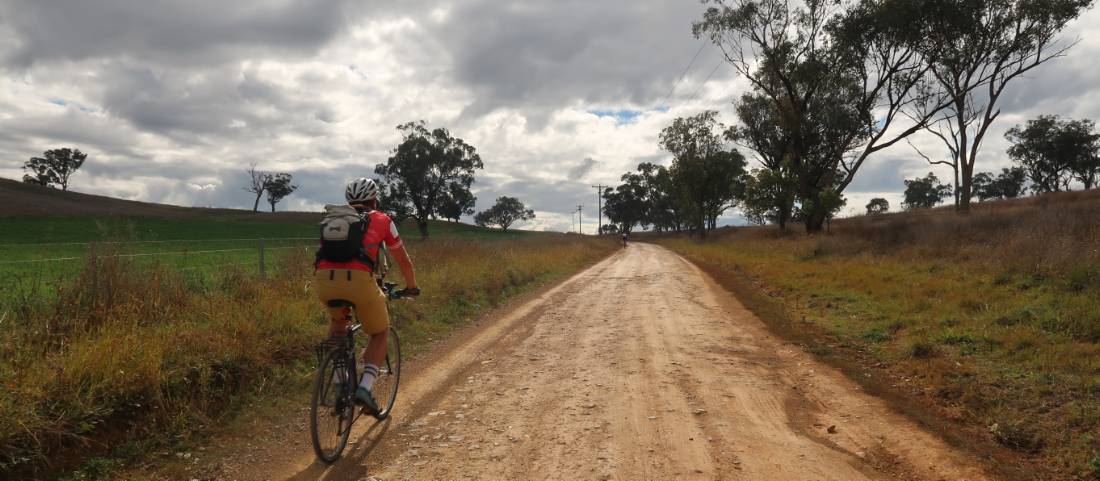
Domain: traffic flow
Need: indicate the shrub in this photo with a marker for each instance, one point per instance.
(875, 335)
(1094, 467)
(1016, 434)
(921, 349)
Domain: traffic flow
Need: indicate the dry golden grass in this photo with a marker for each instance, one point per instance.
(125, 357)
(993, 317)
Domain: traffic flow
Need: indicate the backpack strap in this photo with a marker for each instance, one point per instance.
(364, 254)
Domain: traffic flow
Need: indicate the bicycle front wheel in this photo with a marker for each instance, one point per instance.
(389, 376)
(332, 409)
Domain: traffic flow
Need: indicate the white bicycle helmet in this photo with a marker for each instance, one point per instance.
(361, 190)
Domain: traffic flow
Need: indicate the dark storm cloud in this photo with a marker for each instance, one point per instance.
(33, 134)
(1056, 88)
(537, 55)
(225, 102)
(581, 169)
(165, 31)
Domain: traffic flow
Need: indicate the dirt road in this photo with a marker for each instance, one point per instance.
(638, 368)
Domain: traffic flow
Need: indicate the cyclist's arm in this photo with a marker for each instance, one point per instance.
(405, 263)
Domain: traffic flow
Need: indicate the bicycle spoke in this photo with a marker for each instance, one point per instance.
(331, 412)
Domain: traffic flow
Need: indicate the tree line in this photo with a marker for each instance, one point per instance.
(1050, 154)
(57, 166)
(832, 84)
(706, 178)
(427, 176)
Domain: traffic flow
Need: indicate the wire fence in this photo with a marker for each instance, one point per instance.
(41, 267)
(162, 241)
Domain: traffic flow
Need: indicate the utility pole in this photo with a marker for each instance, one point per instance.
(599, 208)
(580, 227)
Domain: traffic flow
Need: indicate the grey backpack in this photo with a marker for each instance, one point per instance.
(342, 231)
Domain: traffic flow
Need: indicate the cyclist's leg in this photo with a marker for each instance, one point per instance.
(375, 317)
(375, 353)
(370, 306)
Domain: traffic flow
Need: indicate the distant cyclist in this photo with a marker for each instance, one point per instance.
(343, 273)
(624, 239)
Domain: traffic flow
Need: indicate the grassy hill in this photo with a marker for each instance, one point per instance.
(44, 231)
(35, 214)
(985, 327)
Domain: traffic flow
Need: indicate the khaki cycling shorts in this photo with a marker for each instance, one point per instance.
(356, 286)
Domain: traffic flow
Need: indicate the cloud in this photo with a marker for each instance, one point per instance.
(173, 99)
(539, 56)
(166, 31)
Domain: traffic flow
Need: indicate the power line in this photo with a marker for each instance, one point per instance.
(145, 254)
(18, 244)
(599, 207)
(704, 84)
(678, 80)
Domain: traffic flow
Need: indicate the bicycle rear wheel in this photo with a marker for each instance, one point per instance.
(332, 409)
(389, 376)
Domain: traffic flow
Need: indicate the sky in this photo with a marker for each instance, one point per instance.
(174, 99)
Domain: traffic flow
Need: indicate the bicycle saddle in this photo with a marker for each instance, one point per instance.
(340, 303)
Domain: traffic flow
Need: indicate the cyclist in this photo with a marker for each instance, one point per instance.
(624, 239)
(353, 280)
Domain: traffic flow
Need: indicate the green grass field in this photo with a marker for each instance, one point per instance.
(38, 253)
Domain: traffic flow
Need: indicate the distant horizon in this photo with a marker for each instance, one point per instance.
(465, 219)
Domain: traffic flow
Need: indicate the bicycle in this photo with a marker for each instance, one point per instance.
(333, 402)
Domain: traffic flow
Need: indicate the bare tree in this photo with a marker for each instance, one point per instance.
(257, 183)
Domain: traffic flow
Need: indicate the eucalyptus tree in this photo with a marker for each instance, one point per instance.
(830, 82)
(278, 187)
(769, 197)
(505, 212)
(706, 171)
(974, 49)
(55, 166)
(427, 167)
(878, 205)
(925, 192)
(1009, 184)
(458, 202)
(626, 206)
(1054, 152)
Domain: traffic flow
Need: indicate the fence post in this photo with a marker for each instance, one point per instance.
(261, 258)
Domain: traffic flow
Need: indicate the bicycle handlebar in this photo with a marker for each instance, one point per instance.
(394, 294)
